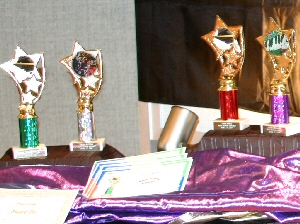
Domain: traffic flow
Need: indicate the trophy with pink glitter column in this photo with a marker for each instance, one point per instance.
(280, 46)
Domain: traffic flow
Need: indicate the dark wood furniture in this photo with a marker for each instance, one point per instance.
(61, 155)
(249, 140)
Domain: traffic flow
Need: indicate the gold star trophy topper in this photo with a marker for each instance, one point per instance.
(28, 72)
(229, 47)
(86, 70)
(281, 48)
(280, 45)
(228, 44)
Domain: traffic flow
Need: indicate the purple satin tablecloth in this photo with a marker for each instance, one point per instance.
(220, 180)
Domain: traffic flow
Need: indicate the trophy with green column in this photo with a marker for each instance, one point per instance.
(28, 72)
(85, 67)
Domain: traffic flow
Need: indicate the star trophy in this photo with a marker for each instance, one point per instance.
(30, 81)
(228, 45)
(280, 46)
(86, 70)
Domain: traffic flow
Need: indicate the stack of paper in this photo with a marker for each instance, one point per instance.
(153, 173)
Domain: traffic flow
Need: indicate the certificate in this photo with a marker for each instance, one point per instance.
(35, 206)
(146, 179)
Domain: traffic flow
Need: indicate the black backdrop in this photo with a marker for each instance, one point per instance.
(176, 66)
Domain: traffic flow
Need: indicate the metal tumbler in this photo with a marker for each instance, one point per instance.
(178, 129)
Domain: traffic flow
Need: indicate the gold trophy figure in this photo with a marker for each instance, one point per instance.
(228, 44)
(28, 72)
(86, 70)
(280, 45)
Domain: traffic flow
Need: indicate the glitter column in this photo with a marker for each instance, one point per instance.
(279, 109)
(86, 127)
(29, 137)
(228, 104)
(28, 126)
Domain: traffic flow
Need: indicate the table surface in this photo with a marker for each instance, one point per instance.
(61, 155)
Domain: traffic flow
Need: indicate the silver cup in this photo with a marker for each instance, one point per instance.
(178, 129)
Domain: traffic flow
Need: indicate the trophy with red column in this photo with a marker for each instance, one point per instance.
(280, 46)
(85, 67)
(228, 44)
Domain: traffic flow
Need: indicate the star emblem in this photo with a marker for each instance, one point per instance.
(228, 44)
(280, 46)
(28, 72)
(85, 94)
(85, 68)
(32, 85)
(232, 58)
(90, 81)
(28, 98)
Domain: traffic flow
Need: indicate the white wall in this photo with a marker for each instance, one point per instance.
(51, 27)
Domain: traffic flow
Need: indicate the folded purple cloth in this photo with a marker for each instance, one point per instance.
(220, 180)
(44, 177)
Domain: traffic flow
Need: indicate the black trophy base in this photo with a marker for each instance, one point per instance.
(280, 129)
(234, 124)
(27, 153)
(96, 145)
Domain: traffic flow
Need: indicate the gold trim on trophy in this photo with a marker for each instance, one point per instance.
(86, 70)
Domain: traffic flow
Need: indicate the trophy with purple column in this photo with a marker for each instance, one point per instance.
(86, 70)
(280, 46)
(28, 72)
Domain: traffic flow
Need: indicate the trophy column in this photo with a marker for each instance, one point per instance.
(28, 125)
(29, 79)
(86, 122)
(280, 46)
(86, 70)
(228, 44)
(279, 104)
(228, 100)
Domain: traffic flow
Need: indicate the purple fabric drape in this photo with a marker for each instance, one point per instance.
(220, 180)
